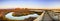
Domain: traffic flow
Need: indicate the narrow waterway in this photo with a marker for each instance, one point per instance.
(9, 16)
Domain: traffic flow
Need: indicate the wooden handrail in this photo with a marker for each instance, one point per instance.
(39, 18)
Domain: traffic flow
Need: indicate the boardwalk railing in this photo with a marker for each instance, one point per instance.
(48, 16)
(39, 18)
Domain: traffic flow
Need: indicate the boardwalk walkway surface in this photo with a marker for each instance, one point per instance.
(47, 16)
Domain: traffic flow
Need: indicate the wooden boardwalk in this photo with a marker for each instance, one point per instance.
(47, 16)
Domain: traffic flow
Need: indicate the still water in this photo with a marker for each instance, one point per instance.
(9, 16)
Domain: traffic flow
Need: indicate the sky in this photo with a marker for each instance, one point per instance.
(39, 4)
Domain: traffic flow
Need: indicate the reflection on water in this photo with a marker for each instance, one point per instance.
(9, 16)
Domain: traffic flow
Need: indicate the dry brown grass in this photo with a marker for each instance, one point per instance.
(17, 11)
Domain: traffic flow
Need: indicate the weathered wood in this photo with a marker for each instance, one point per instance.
(39, 18)
(46, 17)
